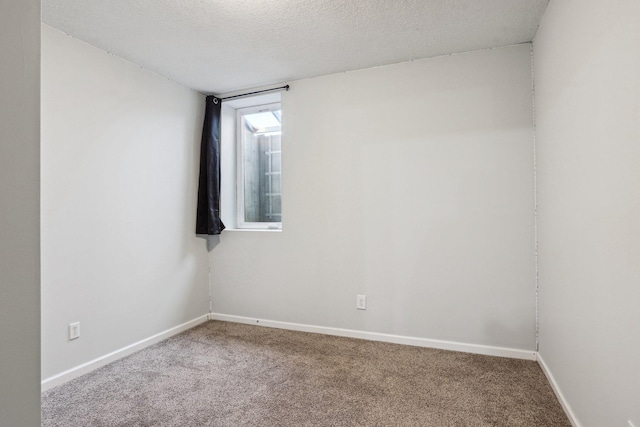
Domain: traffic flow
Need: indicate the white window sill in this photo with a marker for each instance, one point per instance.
(259, 230)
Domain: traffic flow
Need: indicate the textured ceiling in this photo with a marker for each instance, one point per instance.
(217, 46)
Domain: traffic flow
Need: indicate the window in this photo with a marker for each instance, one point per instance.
(259, 170)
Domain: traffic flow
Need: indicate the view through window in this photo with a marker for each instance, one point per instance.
(260, 167)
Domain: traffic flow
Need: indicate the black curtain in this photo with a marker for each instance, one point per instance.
(208, 212)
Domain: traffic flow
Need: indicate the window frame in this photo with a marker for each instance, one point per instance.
(240, 168)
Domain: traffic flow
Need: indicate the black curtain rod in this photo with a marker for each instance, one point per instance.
(285, 87)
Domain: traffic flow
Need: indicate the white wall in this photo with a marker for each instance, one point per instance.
(19, 213)
(412, 184)
(120, 150)
(587, 73)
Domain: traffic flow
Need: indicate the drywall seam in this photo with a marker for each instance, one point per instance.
(535, 196)
(375, 336)
(94, 364)
(556, 389)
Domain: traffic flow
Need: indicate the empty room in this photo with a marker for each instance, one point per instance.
(320, 213)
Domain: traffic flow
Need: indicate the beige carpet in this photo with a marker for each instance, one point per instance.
(226, 374)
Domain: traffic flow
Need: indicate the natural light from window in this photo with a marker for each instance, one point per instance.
(260, 167)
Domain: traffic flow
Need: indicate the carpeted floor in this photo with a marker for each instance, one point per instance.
(227, 374)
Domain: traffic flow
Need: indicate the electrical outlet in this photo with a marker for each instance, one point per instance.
(74, 330)
(361, 302)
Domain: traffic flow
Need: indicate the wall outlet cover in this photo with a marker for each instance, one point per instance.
(361, 302)
(74, 330)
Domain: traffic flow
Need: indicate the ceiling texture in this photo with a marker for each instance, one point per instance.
(220, 46)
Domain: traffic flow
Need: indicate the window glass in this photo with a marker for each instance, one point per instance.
(260, 167)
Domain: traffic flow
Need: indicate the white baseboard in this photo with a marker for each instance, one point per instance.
(77, 371)
(556, 389)
(85, 368)
(374, 336)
